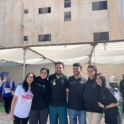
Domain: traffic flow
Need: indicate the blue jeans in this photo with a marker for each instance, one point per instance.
(81, 114)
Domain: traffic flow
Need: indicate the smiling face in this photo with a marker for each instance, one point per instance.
(98, 81)
(43, 74)
(59, 69)
(90, 72)
(30, 79)
(77, 70)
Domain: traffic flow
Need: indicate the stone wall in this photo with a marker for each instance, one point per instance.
(16, 72)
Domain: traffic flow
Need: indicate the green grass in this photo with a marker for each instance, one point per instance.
(1, 106)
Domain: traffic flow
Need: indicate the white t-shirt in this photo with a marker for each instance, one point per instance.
(23, 103)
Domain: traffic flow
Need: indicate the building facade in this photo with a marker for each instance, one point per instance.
(36, 22)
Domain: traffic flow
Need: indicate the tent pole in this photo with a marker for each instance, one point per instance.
(24, 56)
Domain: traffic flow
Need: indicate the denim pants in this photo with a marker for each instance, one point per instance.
(77, 116)
(58, 114)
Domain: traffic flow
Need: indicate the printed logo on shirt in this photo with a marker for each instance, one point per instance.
(26, 98)
(73, 82)
(82, 82)
(62, 82)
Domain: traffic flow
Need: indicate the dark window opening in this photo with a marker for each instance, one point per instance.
(25, 38)
(100, 36)
(46, 37)
(67, 3)
(101, 5)
(44, 10)
(26, 11)
(67, 16)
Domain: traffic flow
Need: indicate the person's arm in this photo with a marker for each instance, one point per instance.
(16, 95)
(111, 105)
(108, 106)
(13, 86)
(12, 107)
(1, 89)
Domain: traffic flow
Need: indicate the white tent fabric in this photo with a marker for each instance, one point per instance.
(103, 54)
(110, 53)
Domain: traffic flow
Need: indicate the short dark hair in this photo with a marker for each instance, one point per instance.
(60, 63)
(77, 65)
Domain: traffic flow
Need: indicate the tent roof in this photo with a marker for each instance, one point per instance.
(102, 53)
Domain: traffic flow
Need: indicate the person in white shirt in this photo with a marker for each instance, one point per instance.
(22, 100)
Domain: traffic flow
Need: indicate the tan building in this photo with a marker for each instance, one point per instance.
(59, 21)
(36, 22)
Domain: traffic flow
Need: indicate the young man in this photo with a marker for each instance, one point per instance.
(58, 104)
(76, 103)
(122, 90)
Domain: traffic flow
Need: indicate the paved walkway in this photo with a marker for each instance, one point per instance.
(4, 119)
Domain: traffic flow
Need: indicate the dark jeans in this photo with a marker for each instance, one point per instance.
(20, 120)
(38, 116)
(7, 103)
(79, 115)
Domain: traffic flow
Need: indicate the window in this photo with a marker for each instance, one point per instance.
(44, 10)
(101, 5)
(26, 11)
(67, 3)
(46, 37)
(101, 36)
(25, 38)
(67, 16)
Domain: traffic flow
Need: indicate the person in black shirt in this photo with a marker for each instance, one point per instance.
(108, 102)
(58, 104)
(122, 90)
(39, 107)
(76, 103)
(94, 112)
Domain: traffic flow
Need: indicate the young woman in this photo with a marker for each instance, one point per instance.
(22, 100)
(39, 108)
(94, 112)
(108, 102)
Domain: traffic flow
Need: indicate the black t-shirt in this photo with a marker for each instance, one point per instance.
(76, 93)
(41, 94)
(57, 88)
(91, 97)
(112, 115)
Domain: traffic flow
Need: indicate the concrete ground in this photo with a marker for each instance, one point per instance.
(4, 119)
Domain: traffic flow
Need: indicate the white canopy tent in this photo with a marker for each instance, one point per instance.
(102, 53)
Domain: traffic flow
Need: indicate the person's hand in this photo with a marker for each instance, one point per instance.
(11, 116)
(100, 105)
(10, 88)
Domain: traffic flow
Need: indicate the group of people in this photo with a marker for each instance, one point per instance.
(54, 94)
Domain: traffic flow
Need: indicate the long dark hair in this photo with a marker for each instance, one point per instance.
(94, 68)
(25, 84)
(103, 79)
